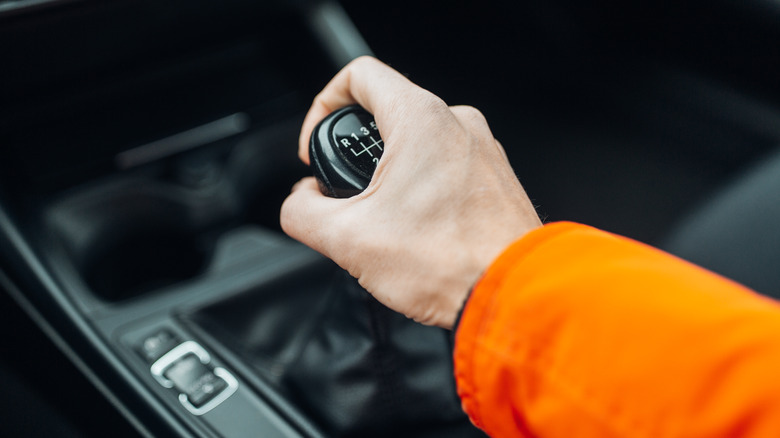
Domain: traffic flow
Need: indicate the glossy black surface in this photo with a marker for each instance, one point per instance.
(345, 148)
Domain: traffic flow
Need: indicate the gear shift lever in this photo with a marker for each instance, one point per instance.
(344, 150)
(367, 370)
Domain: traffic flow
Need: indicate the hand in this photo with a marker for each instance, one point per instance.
(442, 205)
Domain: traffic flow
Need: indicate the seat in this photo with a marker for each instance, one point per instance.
(736, 232)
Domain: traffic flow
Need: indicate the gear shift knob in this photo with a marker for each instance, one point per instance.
(344, 150)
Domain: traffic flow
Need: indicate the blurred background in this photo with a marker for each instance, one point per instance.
(629, 116)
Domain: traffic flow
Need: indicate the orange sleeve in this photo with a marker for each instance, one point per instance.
(573, 331)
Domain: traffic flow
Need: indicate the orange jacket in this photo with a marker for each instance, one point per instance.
(574, 332)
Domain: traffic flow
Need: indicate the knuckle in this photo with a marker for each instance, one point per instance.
(469, 113)
(434, 105)
(361, 62)
(418, 103)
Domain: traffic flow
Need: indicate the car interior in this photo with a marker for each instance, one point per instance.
(146, 148)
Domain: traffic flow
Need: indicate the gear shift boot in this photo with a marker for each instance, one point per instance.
(368, 371)
(347, 362)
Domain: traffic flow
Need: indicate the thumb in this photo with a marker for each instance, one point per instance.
(306, 214)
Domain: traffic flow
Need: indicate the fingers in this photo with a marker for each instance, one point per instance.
(318, 110)
(305, 214)
(372, 84)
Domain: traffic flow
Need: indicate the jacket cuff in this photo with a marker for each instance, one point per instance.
(474, 318)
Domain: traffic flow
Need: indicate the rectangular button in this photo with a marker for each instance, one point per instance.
(205, 389)
(188, 370)
(156, 345)
(195, 380)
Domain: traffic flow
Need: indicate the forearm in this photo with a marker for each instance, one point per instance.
(575, 332)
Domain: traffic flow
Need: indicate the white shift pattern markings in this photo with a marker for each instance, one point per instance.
(374, 144)
(365, 132)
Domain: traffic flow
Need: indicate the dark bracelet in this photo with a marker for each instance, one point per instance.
(460, 315)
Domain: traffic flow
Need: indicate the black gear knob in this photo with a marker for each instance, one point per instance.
(344, 150)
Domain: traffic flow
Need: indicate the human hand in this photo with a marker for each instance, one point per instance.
(442, 205)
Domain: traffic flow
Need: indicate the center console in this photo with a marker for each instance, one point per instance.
(149, 148)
